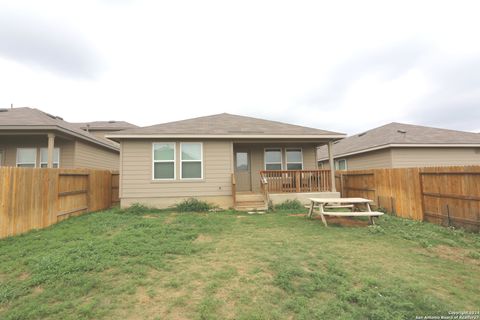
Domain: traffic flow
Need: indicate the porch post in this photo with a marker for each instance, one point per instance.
(332, 166)
(51, 144)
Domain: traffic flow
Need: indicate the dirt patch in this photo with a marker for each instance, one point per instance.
(346, 222)
(170, 218)
(23, 276)
(454, 254)
(241, 217)
(343, 221)
(37, 290)
(148, 216)
(203, 238)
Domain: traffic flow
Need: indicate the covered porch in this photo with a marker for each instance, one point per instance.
(274, 171)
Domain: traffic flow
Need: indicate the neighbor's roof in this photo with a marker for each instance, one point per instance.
(105, 125)
(226, 125)
(34, 119)
(400, 135)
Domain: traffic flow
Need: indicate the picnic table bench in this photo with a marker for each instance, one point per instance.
(331, 203)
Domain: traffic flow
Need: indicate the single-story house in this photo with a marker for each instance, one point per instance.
(32, 138)
(226, 159)
(399, 145)
(103, 128)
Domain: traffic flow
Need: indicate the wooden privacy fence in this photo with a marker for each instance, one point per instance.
(444, 195)
(37, 198)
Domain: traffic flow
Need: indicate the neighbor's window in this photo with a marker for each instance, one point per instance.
(26, 157)
(294, 159)
(242, 161)
(44, 157)
(164, 161)
(191, 160)
(1, 157)
(341, 164)
(273, 159)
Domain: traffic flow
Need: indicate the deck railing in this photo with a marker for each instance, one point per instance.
(294, 181)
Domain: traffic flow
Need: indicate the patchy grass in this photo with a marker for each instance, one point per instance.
(150, 264)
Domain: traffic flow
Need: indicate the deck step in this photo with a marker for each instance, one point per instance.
(249, 197)
(251, 206)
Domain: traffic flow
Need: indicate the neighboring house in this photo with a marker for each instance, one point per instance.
(225, 159)
(32, 138)
(398, 145)
(102, 128)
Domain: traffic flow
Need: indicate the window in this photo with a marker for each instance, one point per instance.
(242, 161)
(321, 165)
(294, 159)
(44, 157)
(341, 164)
(1, 157)
(191, 160)
(26, 157)
(273, 159)
(164, 161)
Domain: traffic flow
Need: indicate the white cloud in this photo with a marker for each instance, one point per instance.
(375, 61)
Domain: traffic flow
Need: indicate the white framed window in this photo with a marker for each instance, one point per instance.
(321, 165)
(341, 164)
(163, 164)
(2, 154)
(191, 160)
(294, 158)
(44, 157)
(273, 159)
(27, 157)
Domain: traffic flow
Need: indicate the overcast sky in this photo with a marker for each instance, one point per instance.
(345, 66)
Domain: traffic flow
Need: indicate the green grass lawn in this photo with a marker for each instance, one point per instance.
(230, 265)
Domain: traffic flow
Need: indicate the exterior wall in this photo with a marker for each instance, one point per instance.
(9, 145)
(95, 157)
(137, 184)
(257, 158)
(368, 160)
(429, 157)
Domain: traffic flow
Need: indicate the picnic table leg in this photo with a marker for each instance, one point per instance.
(321, 214)
(371, 220)
(310, 212)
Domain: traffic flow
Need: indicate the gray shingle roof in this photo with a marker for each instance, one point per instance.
(228, 125)
(105, 125)
(34, 119)
(399, 133)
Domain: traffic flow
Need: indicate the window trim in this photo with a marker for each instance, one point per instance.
(337, 165)
(286, 157)
(163, 161)
(265, 158)
(35, 160)
(201, 160)
(58, 163)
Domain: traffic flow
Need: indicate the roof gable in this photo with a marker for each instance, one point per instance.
(226, 125)
(31, 119)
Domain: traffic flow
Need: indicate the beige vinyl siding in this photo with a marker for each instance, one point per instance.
(368, 160)
(136, 172)
(431, 156)
(9, 145)
(257, 158)
(95, 157)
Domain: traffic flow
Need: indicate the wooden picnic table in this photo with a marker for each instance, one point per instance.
(321, 203)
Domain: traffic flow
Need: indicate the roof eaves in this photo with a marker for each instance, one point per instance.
(404, 145)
